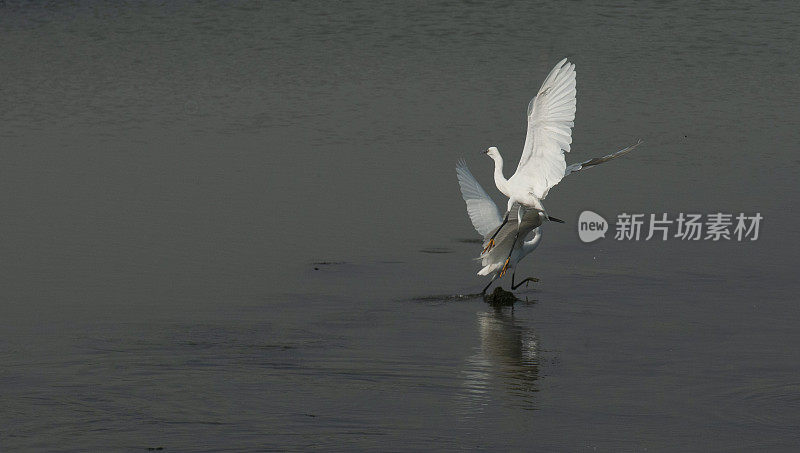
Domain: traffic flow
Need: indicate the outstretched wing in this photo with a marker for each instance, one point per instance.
(599, 160)
(550, 120)
(481, 209)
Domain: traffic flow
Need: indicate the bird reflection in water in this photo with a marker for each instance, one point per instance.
(507, 358)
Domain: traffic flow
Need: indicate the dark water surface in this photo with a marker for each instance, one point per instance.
(236, 226)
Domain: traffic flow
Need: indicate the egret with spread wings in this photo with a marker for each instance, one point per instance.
(486, 219)
(542, 165)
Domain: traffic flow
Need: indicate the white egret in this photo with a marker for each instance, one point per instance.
(542, 165)
(486, 218)
(508, 251)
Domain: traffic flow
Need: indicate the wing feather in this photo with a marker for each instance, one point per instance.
(599, 160)
(550, 121)
(481, 209)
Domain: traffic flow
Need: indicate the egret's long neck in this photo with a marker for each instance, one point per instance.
(499, 180)
(529, 246)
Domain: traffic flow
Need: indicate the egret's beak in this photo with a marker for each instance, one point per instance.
(485, 151)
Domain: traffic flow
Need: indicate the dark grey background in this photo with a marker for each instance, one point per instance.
(170, 176)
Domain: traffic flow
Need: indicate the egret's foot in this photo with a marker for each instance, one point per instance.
(505, 267)
(531, 279)
(488, 246)
(526, 281)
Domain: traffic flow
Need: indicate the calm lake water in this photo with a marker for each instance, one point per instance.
(237, 227)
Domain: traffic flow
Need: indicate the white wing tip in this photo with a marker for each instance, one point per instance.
(565, 63)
